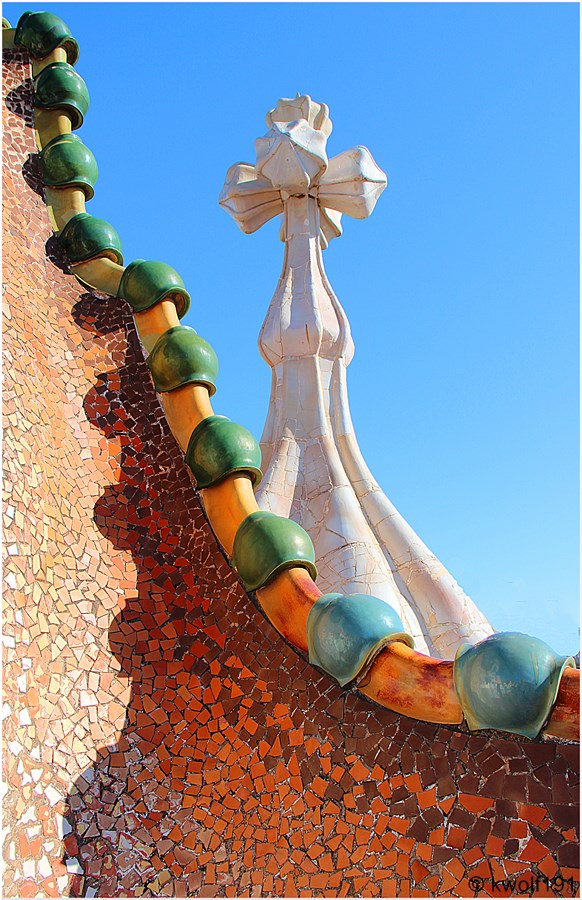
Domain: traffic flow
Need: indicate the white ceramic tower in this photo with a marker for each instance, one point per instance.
(314, 471)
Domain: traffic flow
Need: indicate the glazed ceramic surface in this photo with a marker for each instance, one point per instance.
(265, 544)
(86, 237)
(43, 32)
(67, 162)
(508, 682)
(147, 282)
(182, 357)
(345, 633)
(219, 447)
(59, 86)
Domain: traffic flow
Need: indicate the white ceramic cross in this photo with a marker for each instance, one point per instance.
(314, 469)
(292, 162)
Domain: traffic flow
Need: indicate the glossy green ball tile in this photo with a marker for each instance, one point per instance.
(59, 86)
(147, 282)
(67, 162)
(43, 32)
(346, 631)
(266, 544)
(219, 447)
(508, 682)
(86, 237)
(182, 357)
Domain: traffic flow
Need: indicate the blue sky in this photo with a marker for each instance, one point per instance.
(461, 288)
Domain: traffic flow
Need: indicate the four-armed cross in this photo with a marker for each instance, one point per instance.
(292, 162)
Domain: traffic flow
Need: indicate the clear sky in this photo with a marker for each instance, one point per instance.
(461, 288)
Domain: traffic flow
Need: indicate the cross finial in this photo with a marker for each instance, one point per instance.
(291, 161)
(314, 471)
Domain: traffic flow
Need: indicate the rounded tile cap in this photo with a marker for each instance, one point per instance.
(87, 237)
(266, 544)
(43, 32)
(67, 162)
(219, 447)
(345, 632)
(508, 682)
(59, 86)
(147, 282)
(182, 357)
(61, 137)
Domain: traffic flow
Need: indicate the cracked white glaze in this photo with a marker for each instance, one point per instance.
(314, 471)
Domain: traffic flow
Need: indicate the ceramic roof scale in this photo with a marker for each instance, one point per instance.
(314, 471)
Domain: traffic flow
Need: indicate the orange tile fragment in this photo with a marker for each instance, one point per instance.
(474, 803)
(427, 798)
(532, 814)
(359, 772)
(413, 783)
(533, 851)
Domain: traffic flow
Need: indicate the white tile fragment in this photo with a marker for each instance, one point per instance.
(88, 699)
(11, 581)
(44, 868)
(73, 867)
(52, 795)
(63, 826)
